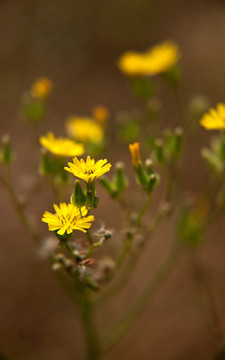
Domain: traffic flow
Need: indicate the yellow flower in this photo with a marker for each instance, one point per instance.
(84, 129)
(157, 60)
(131, 63)
(100, 114)
(68, 218)
(61, 146)
(41, 88)
(135, 153)
(90, 170)
(215, 118)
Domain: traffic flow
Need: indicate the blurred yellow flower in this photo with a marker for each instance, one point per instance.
(68, 218)
(61, 146)
(90, 170)
(131, 63)
(84, 129)
(100, 114)
(157, 60)
(215, 118)
(135, 153)
(41, 88)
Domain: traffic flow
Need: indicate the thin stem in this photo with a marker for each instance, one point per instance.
(31, 229)
(208, 297)
(115, 334)
(125, 209)
(92, 342)
(92, 247)
(143, 211)
(178, 105)
(89, 237)
(125, 275)
(131, 232)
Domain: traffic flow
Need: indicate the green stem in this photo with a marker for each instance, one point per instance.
(89, 237)
(92, 342)
(207, 298)
(125, 275)
(115, 334)
(143, 211)
(178, 105)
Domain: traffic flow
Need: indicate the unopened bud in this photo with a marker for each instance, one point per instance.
(149, 166)
(159, 152)
(6, 154)
(120, 180)
(78, 197)
(135, 154)
(198, 105)
(153, 181)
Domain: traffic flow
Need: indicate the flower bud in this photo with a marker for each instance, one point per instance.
(78, 197)
(100, 114)
(198, 105)
(149, 166)
(153, 181)
(6, 153)
(41, 88)
(173, 142)
(135, 154)
(120, 180)
(159, 152)
(32, 108)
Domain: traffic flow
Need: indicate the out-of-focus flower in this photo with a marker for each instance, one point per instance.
(84, 129)
(68, 218)
(100, 114)
(135, 153)
(157, 60)
(214, 119)
(90, 170)
(61, 146)
(41, 88)
(131, 63)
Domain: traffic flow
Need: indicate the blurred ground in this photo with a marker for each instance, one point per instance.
(77, 44)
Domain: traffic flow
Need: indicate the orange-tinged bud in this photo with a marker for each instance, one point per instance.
(100, 114)
(135, 153)
(41, 88)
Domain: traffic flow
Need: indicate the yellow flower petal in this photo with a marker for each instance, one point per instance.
(67, 219)
(84, 129)
(89, 171)
(61, 146)
(215, 118)
(157, 60)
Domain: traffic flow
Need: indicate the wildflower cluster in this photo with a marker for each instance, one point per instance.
(73, 164)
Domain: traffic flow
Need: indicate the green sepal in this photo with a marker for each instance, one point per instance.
(78, 197)
(153, 181)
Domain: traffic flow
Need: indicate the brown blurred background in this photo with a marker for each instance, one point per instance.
(77, 44)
